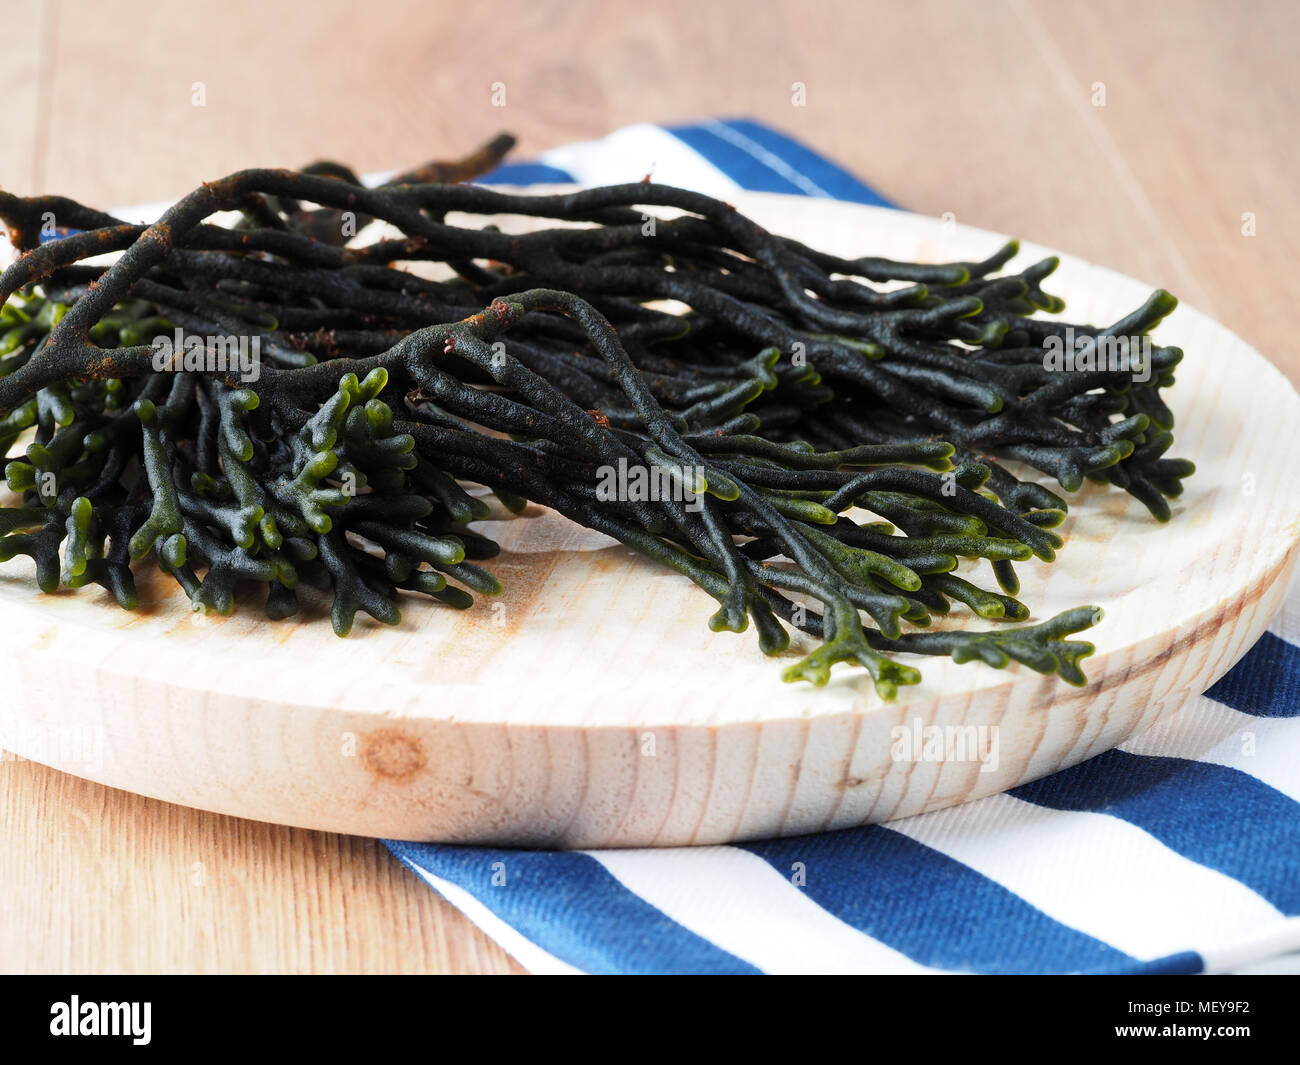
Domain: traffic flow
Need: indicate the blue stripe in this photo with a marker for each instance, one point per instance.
(1184, 962)
(745, 170)
(571, 907)
(1266, 682)
(933, 908)
(762, 160)
(1215, 816)
(525, 174)
(838, 183)
(59, 232)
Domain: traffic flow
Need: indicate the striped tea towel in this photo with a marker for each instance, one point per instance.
(1177, 852)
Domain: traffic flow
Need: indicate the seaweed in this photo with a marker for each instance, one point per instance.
(817, 443)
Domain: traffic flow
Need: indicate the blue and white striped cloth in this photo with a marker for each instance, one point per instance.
(1177, 852)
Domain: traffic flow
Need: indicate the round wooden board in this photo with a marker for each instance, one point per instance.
(590, 705)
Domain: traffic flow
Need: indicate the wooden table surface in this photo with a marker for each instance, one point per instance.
(1157, 138)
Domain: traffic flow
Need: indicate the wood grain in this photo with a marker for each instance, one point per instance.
(1201, 127)
(144, 886)
(972, 109)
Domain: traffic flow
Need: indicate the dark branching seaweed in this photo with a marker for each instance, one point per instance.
(830, 435)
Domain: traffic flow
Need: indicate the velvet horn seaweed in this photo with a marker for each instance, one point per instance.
(293, 379)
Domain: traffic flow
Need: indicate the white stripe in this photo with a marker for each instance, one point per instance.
(1251, 951)
(1282, 965)
(523, 950)
(142, 213)
(1098, 874)
(1268, 748)
(741, 904)
(629, 154)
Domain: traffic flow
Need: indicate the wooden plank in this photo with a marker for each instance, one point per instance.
(29, 29)
(100, 880)
(1202, 114)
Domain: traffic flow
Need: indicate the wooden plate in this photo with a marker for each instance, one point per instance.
(591, 706)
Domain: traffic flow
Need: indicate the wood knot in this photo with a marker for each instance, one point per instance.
(391, 754)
